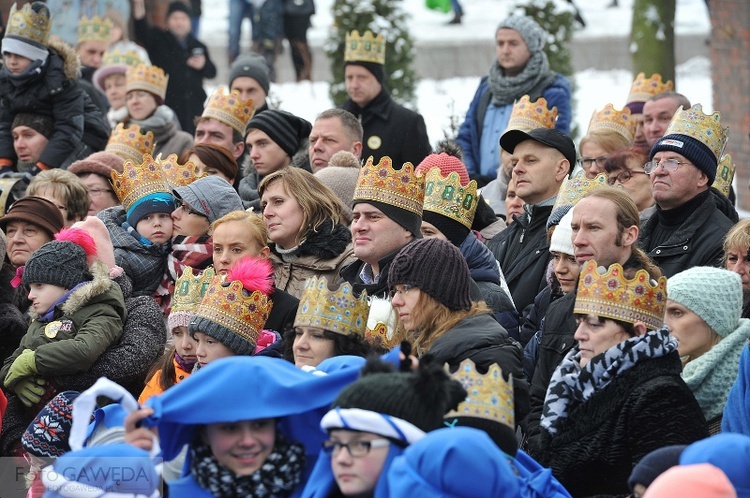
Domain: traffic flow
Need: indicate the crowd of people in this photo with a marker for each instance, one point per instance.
(228, 300)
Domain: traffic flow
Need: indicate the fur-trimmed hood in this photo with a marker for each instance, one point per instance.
(69, 56)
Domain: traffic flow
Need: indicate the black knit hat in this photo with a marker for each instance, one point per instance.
(694, 151)
(284, 128)
(377, 70)
(61, 263)
(253, 66)
(178, 6)
(455, 232)
(436, 267)
(38, 122)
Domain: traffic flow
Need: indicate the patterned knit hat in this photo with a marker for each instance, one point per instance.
(418, 263)
(47, 435)
(63, 262)
(284, 128)
(714, 294)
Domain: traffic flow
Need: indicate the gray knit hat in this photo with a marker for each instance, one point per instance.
(253, 66)
(61, 263)
(713, 294)
(284, 128)
(533, 34)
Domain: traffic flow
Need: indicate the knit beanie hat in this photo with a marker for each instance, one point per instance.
(655, 464)
(253, 66)
(38, 122)
(562, 237)
(447, 164)
(377, 70)
(694, 151)
(64, 262)
(159, 202)
(47, 435)
(729, 452)
(533, 34)
(178, 6)
(691, 481)
(100, 163)
(284, 128)
(27, 31)
(454, 231)
(36, 210)
(714, 294)
(341, 175)
(436, 267)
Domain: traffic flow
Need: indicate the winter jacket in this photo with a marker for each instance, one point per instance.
(153, 386)
(143, 264)
(283, 311)
(481, 339)
(55, 92)
(470, 133)
(391, 130)
(525, 270)
(645, 408)
(322, 254)
(168, 139)
(185, 93)
(13, 323)
(737, 408)
(380, 289)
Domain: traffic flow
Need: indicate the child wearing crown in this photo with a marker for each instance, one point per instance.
(40, 76)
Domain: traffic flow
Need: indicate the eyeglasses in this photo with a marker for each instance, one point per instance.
(587, 162)
(186, 209)
(624, 176)
(402, 291)
(356, 448)
(666, 164)
(96, 192)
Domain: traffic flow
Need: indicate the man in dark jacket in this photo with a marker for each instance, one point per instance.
(390, 129)
(181, 55)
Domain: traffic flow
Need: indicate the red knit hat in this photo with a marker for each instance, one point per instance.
(447, 164)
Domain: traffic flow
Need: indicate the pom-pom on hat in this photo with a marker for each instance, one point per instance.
(47, 435)
(284, 128)
(435, 267)
(64, 262)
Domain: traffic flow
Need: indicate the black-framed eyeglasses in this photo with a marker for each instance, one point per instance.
(401, 290)
(667, 165)
(356, 448)
(186, 209)
(624, 176)
(587, 162)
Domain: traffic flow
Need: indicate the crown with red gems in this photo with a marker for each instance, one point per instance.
(130, 58)
(606, 292)
(610, 119)
(402, 188)
(29, 25)
(365, 48)
(129, 143)
(94, 29)
(150, 79)
(189, 289)
(527, 115)
(446, 196)
(176, 174)
(381, 324)
(706, 128)
(338, 311)
(574, 189)
(724, 175)
(643, 88)
(490, 396)
(229, 109)
(139, 180)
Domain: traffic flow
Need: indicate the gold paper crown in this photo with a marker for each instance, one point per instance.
(643, 88)
(706, 128)
(229, 109)
(381, 324)
(574, 189)
(129, 143)
(94, 29)
(190, 288)
(403, 189)
(724, 175)
(447, 197)
(365, 48)
(139, 180)
(130, 58)
(230, 306)
(527, 115)
(610, 119)
(609, 294)
(150, 79)
(490, 396)
(338, 311)
(29, 25)
(176, 174)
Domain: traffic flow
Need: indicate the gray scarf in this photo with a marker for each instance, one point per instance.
(534, 78)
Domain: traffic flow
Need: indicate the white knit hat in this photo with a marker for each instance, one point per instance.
(562, 237)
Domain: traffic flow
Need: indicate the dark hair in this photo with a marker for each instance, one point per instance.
(236, 135)
(214, 156)
(628, 327)
(619, 160)
(353, 345)
(164, 366)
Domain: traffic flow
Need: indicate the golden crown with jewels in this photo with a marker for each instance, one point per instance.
(94, 29)
(724, 175)
(446, 196)
(365, 48)
(29, 25)
(610, 119)
(130, 58)
(402, 188)
(150, 79)
(706, 128)
(606, 292)
(574, 189)
(176, 174)
(139, 180)
(642, 88)
(129, 143)
(338, 311)
(527, 115)
(489, 397)
(230, 109)
(189, 289)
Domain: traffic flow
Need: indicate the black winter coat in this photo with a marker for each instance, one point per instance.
(283, 312)
(185, 94)
(645, 408)
(391, 130)
(351, 273)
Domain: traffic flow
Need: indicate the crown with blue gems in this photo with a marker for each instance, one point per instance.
(94, 29)
(527, 115)
(365, 48)
(490, 396)
(402, 188)
(29, 25)
(446, 196)
(642, 88)
(228, 108)
(338, 311)
(611, 119)
(189, 289)
(574, 189)
(129, 143)
(706, 128)
(724, 175)
(139, 180)
(605, 292)
(176, 174)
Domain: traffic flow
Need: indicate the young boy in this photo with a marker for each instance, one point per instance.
(77, 313)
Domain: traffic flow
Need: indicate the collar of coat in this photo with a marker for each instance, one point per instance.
(80, 297)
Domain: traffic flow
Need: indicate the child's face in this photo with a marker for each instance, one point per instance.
(209, 349)
(156, 227)
(43, 296)
(114, 89)
(242, 446)
(357, 476)
(15, 63)
(232, 242)
(184, 344)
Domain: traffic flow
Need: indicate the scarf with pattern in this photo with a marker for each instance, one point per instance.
(193, 251)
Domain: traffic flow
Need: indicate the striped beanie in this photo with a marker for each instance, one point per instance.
(284, 128)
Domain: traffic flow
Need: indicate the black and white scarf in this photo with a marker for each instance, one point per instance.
(277, 477)
(572, 384)
(506, 89)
